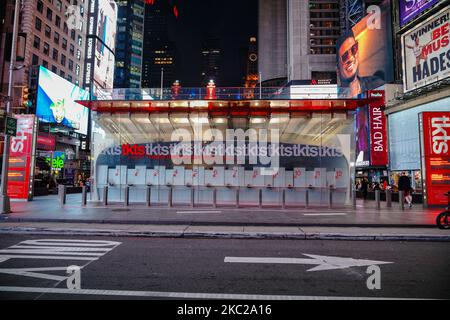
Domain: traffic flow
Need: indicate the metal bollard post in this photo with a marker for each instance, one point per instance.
(237, 198)
(388, 198)
(127, 196)
(401, 200)
(62, 194)
(330, 198)
(214, 198)
(170, 204)
(283, 199)
(84, 196)
(192, 197)
(306, 198)
(260, 198)
(149, 196)
(377, 199)
(105, 196)
(354, 199)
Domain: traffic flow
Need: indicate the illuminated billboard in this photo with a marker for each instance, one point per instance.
(435, 155)
(100, 51)
(364, 54)
(426, 52)
(410, 9)
(56, 104)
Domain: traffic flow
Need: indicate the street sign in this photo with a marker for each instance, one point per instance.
(11, 126)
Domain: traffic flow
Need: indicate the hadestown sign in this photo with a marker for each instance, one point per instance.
(426, 52)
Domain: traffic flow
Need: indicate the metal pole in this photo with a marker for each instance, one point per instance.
(306, 198)
(192, 197)
(354, 198)
(237, 197)
(260, 86)
(149, 196)
(127, 196)
(62, 194)
(388, 198)
(5, 205)
(260, 198)
(377, 199)
(215, 198)
(330, 198)
(105, 196)
(170, 204)
(83, 196)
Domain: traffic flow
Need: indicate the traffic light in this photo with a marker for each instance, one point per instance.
(26, 101)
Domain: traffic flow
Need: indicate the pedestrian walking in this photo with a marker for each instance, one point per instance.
(364, 187)
(404, 184)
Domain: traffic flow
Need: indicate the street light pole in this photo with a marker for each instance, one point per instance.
(162, 82)
(5, 206)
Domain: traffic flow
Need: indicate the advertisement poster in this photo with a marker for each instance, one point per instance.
(364, 54)
(435, 155)
(56, 102)
(410, 9)
(378, 135)
(426, 52)
(21, 162)
(362, 151)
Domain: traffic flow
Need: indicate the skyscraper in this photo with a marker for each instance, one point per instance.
(129, 44)
(211, 59)
(160, 52)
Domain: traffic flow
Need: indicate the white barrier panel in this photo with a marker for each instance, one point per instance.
(331, 179)
(339, 177)
(178, 176)
(198, 176)
(117, 176)
(254, 178)
(235, 177)
(289, 178)
(279, 178)
(102, 176)
(215, 177)
(188, 177)
(320, 177)
(300, 178)
(137, 175)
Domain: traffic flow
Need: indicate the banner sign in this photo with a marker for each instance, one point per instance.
(378, 136)
(426, 52)
(21, 162)
(435, 147)
(410, 9)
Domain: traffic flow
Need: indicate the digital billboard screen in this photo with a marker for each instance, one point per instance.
(410, 9)
(364, 54)
(56, 102)
(426, 52)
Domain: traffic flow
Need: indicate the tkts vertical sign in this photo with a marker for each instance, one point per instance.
(435, 155)
(377, 120)
(21, 162)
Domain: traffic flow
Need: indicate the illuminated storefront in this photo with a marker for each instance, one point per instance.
(224, 151)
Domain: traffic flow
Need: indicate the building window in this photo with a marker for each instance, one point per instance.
(64, 44)
(63, 60)
(62, 74)
(54, 69)
(48, 31)
(38, 24)
(55, 55)
(77, 70)
(40, 6)
(80, 40)
(35, 60)
(72, 34)
(46, 48)
(37, 42)
(45, 64)
(49, 14)
(70, 65)
(72, 49)
(69, 77)
(58, 21)
(56, 38)
(78, 54)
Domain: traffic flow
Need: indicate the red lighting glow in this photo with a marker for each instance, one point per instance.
(169, 2)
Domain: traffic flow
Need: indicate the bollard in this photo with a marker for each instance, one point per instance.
(388, 198)
(127, 196)
(330, 198)
(170, 204)
(401, 200)
(62, 194)
(105, 196)
(237, 198)
(84, 196)
(354, 199)
(377, 199)
(149, 196)
(260, 198)
(192, 197)
(283, 199)
(214, 198)
(307, 199)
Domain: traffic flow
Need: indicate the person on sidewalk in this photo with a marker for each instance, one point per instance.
(404, 184)
(364, 187)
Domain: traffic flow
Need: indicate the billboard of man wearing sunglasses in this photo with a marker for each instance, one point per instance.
(364, 54)
(352, 84)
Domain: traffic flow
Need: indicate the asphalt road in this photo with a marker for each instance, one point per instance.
(149, 268)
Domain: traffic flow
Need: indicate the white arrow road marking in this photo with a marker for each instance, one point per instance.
(323, 262)
(33, 272)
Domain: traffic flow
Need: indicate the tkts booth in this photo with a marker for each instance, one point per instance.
(223, 152)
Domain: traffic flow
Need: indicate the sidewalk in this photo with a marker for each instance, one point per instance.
(48, 209)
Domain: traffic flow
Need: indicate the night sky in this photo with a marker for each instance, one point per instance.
(233, 21)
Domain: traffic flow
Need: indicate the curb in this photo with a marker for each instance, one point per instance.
(225, 235)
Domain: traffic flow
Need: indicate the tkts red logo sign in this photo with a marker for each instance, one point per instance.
(440, 135)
